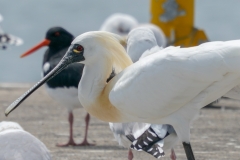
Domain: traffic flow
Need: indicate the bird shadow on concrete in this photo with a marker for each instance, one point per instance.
(97, 147)
(218, 104)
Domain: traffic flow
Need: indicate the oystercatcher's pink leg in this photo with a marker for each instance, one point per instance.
(71, 141)
(85, 142)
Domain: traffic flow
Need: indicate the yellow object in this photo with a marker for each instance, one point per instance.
(176, 19)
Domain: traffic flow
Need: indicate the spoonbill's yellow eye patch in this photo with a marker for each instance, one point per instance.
(78, 49)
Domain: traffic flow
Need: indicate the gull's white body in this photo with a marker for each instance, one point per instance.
(158, 33)
(17, 144)
(141, 43)
(119, 23)
(169, 87)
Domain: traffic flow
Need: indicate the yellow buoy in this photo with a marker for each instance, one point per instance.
(176, 19)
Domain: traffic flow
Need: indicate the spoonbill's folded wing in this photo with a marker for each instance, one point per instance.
(163, 83)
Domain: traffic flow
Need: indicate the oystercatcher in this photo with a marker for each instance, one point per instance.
(64, 87)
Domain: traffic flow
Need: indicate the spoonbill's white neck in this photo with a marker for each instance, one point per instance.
(93, 81)
(93, 88)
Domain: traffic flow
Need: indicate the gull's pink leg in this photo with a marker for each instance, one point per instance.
(173, 155)
(130, 154)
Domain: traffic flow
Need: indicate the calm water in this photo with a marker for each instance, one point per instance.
(30, 20)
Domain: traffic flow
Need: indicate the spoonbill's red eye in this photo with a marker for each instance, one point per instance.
(56, 33)
(79, 48)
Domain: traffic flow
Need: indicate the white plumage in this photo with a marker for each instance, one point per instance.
(122, 24)
(136, 45)
(17, 144)
(141, 42)
(158, 33)
(119, 23)
(168, 87)
(144, 39)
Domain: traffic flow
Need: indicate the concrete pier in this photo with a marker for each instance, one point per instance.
(214, 135)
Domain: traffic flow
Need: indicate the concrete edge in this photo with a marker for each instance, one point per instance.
(16, 85)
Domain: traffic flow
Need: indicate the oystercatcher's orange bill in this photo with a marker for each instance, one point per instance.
(45, 42)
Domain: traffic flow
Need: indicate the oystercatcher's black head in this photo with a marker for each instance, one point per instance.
(59, 37)
(56, 37)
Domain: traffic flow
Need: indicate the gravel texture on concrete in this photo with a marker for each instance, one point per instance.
(214, 135)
